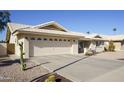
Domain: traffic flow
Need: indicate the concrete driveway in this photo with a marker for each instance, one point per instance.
(82, 68)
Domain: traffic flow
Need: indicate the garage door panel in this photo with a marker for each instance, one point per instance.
(49, 48)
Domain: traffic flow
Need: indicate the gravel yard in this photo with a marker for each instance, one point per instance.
(10, 71)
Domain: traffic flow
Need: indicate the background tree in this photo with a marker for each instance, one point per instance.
(114, 30)
(88, 32)
(4, 19)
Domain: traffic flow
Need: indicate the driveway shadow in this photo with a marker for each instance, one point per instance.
(121, 59)
(8, 62)
(43, 77)
(70, 63)
(37, 65)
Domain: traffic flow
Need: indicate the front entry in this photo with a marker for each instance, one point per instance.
(83, 44)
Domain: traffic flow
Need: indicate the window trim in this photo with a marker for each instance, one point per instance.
(60, 39)
(64, 40)
(32, 38)
(50, 39)
(55, 39)
(45, 39)
(39, 38)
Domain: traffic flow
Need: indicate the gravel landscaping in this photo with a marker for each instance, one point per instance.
(10, 71)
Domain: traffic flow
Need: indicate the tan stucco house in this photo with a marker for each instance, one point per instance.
(118, 41)
(52, 38)
(45, 39)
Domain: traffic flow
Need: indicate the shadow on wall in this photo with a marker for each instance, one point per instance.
(37, 65)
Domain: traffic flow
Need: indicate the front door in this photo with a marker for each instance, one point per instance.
(81, 46)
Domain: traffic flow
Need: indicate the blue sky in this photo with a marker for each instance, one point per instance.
(101, 22)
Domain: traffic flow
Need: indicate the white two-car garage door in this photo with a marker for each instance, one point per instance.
(49, 47)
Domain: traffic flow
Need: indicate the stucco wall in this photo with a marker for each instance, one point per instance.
(25, 46)
(74, 48)
(12, 38)
(3, 49)
(17, 40)
(122, 47)
(117, 45)
(99, 48)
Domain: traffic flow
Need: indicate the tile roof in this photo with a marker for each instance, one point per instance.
(28, 28)
(55, 32)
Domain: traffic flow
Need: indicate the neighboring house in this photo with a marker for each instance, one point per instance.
(93, 42)
(45, 39)
(118, 41)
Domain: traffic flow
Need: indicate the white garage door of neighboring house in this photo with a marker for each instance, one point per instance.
(49, 47)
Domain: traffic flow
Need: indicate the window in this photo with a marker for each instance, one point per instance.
(50, 39)
(55, 39)
(32, 38)
(102, 43)
(26, 37)
(60, 39)
(38, 38)
(122, 43)
(45, 39)
(64, 39)
(98, 43)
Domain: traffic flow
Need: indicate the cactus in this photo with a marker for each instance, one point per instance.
(23, 66)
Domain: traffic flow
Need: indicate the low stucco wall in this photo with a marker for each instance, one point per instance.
(117, 45)
(122, 47)
(3, 49)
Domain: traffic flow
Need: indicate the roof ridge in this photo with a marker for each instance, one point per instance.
(51, 22)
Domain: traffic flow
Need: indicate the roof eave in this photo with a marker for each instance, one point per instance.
(41, 33)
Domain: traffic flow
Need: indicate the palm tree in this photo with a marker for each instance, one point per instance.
(88, 32)
(114, 29)
(4, 19)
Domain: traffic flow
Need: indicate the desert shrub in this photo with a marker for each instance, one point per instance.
(111, 46)
(51, 78)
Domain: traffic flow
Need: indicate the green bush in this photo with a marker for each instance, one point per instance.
(111, 46)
